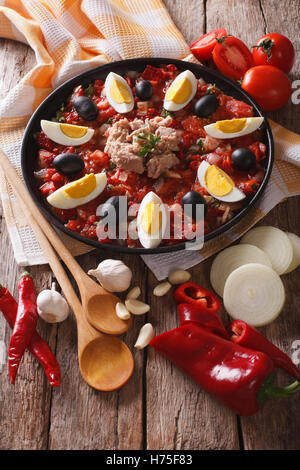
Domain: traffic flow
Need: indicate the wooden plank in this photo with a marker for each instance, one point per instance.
(179, 414)
(189, 17)
(24, 408)
(278, 423)
(82, 418)
(176, 414)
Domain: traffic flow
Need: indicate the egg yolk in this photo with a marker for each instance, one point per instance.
(217, 181)
(119, 92)
(151, 218)
(73, 131)
(180, 91)
(82, 187)
(229, 126)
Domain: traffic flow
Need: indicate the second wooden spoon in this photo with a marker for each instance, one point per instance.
(99, 305)
(105, 362)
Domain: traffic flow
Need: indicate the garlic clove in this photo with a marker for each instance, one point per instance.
(134, 293)
(136, 307)
(113, 275)
(162, 289)
(145, 335)
(122, 311)
(179, 276)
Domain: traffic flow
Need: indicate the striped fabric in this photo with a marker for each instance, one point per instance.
(71, 36)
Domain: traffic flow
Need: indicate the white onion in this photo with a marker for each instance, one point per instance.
(232, 258)
(213, 158)
(295, 241)
(275, 243)
(254, 293)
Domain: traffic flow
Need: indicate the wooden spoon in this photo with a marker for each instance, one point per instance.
(105, 362)
(98, 304)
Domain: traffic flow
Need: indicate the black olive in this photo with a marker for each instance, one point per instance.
(144, 90)
(68, 164)
(195, 199)
(86, 108)
(206, 105)
(243, 159)
(112, 205)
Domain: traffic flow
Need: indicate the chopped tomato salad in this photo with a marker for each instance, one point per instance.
(150, 149)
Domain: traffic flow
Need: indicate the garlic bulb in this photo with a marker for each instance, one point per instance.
(51, 306)
(113, 275)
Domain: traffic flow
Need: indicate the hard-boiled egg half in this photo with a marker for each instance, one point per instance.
(151, 221)
(118, 93)
(181, 91)
(231, 128)
(66, 134)
(78, 192)
(218, 184)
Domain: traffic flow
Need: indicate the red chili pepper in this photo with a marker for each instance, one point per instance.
(240, 378)
(25, 324)
(37, 346)
(192, 293)
(190, 313)
(245, 335)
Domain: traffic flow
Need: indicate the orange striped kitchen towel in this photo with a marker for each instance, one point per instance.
(71, 36)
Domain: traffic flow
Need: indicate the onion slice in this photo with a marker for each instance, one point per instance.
(254, 293)
(295, 241)
(232, 258)
(275, 243)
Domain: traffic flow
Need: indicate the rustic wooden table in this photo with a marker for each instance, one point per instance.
(159, 408)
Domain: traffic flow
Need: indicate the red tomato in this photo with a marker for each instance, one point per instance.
(232, 57)
(268, 85)
(194, 125)
(202, 48)
(274, 49)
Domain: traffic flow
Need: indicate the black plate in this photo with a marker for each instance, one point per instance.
(49, 107)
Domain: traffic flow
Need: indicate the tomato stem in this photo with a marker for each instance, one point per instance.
(222, 39)
(266, 46)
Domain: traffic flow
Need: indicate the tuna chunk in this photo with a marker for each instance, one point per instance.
(136, 124)
(123, 156)
(120, 151)
(161, 163)
(170, 138)
(123, 146)
(157, 121)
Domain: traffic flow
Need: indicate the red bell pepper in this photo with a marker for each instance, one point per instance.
(240, 378)
(37, 346)
(245, 335)
(191, 313)
(25, 324)
(192, 293)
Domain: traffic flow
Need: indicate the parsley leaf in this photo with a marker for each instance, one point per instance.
(212, 89)
(59, 114)
(200, 142)
(165, 113)
(89, 91)
(150, 143)
(142, 136)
